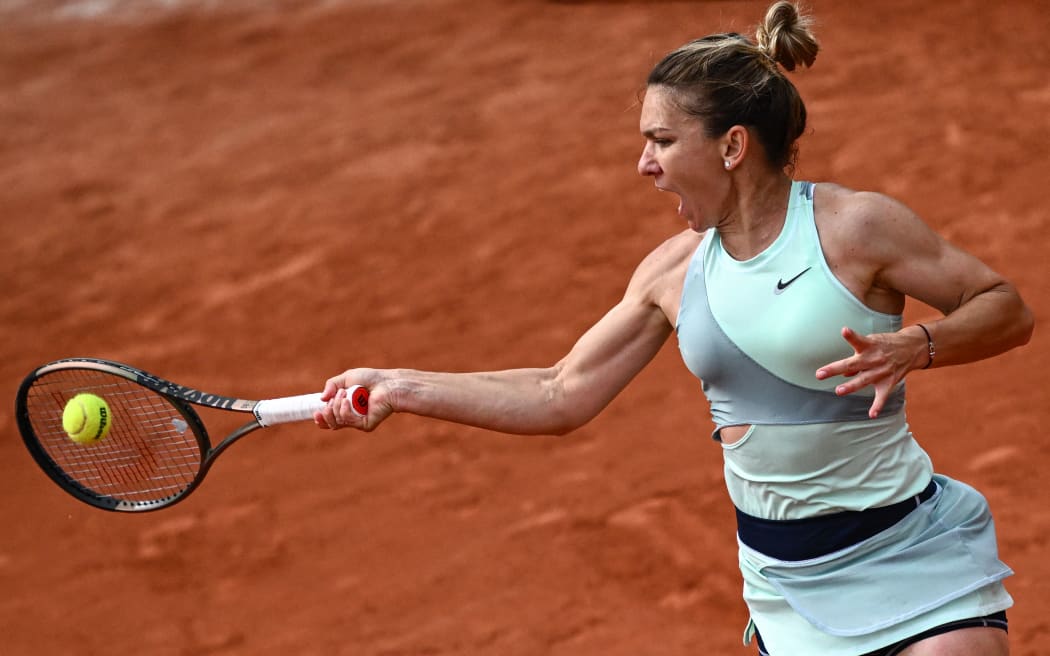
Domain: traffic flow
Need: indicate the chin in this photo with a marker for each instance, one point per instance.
(695, 224)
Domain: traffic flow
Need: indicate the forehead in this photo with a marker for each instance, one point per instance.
(661, 112)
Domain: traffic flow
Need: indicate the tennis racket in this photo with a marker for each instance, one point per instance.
(157, 450)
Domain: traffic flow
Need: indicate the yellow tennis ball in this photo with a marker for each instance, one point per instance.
(86, 418)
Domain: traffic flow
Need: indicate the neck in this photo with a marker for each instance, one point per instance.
(756, 216)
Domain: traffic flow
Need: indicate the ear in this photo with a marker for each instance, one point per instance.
(734, 146)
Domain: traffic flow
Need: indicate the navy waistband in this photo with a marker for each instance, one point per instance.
(812, 537)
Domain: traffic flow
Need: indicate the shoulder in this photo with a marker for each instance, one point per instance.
(669, 257)
(658, 278)
(866, 222)
(859, 209)
(882, 252)
(675, 249)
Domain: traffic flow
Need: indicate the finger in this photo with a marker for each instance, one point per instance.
(330, 388)
(320, 420)
(325, 419)
(330, 413)
(837, 368)
(878, 375)
(857, 382)
(345, 413)
(845, 388)
(336, 404)
(878, 403)
(875, 409)
(852, 365)
(856, 340)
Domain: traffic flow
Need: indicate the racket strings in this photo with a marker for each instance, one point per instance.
(150, 453)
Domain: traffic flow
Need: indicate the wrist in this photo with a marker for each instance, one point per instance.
(404, 390)
(929, 352)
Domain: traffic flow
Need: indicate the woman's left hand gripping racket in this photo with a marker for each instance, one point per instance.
(155, 450)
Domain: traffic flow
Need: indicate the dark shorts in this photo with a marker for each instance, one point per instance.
(995, 621)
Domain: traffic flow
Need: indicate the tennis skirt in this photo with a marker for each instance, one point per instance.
(937, 565)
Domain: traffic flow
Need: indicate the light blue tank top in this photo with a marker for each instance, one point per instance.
(755, 332)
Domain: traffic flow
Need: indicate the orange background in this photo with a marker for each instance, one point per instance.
(249, 199)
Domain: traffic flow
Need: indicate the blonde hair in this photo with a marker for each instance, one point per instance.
(785, 36)
(727, 79)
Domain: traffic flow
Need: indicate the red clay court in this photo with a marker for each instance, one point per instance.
(248, 197)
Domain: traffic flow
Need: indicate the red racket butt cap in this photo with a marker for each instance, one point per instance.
(358, 399)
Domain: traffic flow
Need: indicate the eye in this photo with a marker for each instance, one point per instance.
(658, 142)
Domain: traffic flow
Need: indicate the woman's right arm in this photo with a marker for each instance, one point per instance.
(549, 401)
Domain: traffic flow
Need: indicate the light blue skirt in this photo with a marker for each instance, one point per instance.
(937, 565)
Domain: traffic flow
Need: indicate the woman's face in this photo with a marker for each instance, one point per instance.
(682, 160)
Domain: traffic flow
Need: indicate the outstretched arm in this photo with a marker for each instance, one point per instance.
(551, 400)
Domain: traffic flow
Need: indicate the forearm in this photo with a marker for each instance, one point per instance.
(518, 401)
(988, 324)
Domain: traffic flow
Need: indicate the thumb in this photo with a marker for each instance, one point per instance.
(330, 388)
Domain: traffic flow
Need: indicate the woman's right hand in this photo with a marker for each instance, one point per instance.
(339, 413)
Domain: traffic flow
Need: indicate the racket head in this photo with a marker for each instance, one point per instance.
(156, 451)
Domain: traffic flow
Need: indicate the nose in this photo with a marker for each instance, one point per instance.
(647, 163)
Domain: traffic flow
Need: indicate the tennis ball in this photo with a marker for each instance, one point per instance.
(86, 418)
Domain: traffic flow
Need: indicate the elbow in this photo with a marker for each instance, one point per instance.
(564, 420)
(565, 426)
(1026, 326)
(572, 418)
(561, 431)
(1017, 320)
(566, 408)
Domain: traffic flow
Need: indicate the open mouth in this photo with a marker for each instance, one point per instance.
(681, 203)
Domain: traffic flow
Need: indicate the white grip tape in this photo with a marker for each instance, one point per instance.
(288, 409)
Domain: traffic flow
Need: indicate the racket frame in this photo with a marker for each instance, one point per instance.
(180, 396)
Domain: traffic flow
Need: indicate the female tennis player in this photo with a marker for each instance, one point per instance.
(786, 299)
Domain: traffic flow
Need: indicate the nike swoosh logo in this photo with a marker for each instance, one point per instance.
(781, 285)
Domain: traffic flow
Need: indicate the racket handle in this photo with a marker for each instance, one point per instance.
(302, 408)
(288, 409)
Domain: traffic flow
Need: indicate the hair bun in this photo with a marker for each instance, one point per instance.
(785, 36)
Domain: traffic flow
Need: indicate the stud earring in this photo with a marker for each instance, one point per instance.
(727, 163)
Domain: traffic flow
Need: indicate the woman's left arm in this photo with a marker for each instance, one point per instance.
(984, 314)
